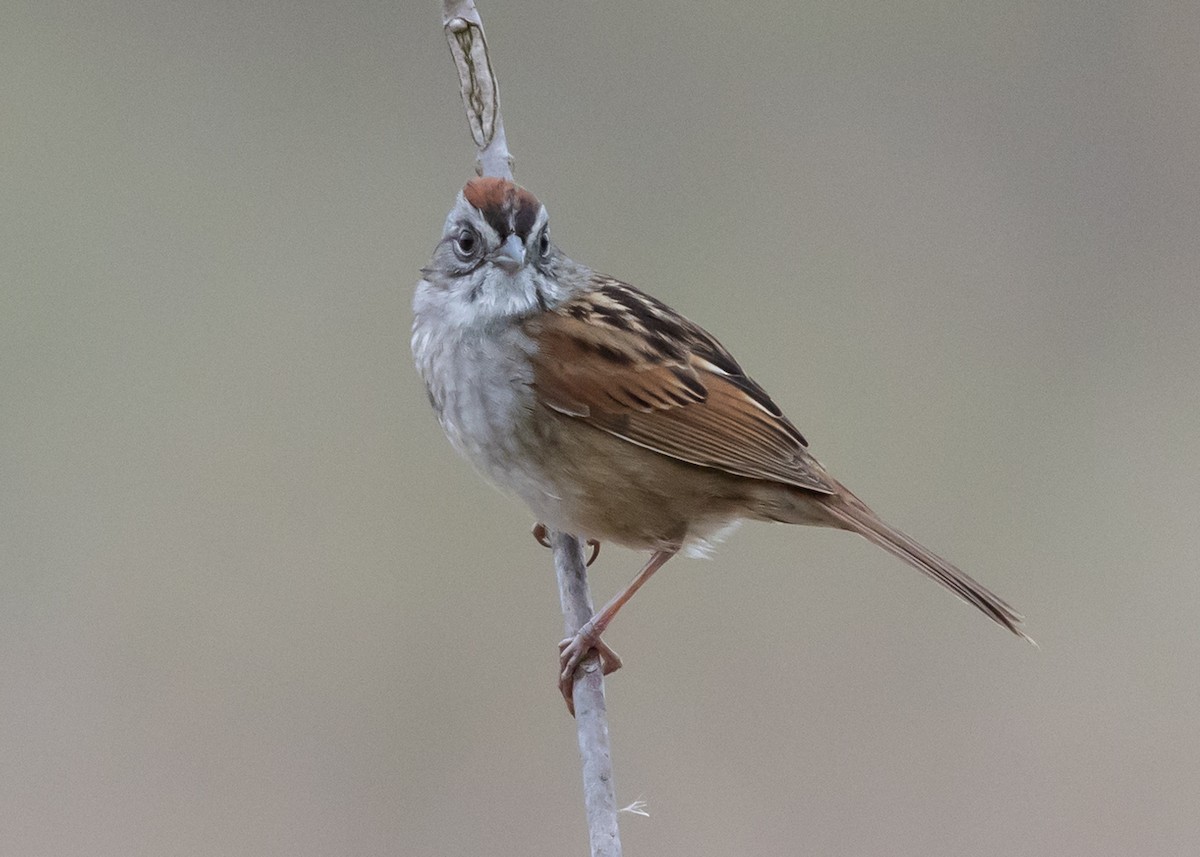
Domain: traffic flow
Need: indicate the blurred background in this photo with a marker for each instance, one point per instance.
(251, 603)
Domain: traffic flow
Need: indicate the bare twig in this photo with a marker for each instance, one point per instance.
(591, 715)
(481, 99)
(480, 91)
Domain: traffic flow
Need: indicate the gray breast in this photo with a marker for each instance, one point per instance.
(479, 385)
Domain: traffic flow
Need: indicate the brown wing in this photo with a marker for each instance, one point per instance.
(630, 365)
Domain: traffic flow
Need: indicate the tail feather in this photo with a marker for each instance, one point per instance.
(851, 514)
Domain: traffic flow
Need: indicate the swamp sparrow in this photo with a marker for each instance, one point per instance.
(612, 416)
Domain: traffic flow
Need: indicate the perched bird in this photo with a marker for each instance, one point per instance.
(611, 415)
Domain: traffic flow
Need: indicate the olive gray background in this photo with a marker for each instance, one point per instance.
(251, 603)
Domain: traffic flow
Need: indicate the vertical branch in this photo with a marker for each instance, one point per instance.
(480, 91)
(591, 714)
(481, 100)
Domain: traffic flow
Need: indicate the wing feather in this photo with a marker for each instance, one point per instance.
(631, 366)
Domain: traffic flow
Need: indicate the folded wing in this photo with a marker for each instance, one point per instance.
(629, 365)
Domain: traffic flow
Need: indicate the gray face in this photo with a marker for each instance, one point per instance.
(495, 258)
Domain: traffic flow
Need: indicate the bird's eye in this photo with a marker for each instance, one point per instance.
(466, 243)
(544, 242)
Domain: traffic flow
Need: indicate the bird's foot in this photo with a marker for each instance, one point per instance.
(573, 650)
(542, 535)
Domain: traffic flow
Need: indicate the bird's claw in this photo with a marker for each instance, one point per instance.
(542, 535)
(572, 652)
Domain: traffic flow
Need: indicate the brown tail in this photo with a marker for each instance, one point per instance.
(852, 514)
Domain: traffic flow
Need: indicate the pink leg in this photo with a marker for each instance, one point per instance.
(572, 650)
